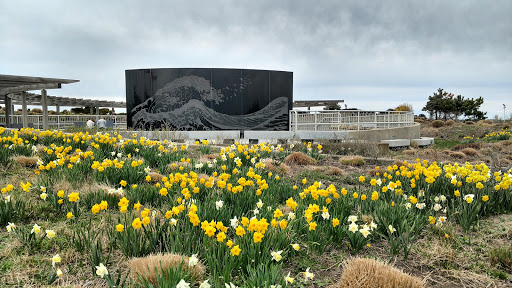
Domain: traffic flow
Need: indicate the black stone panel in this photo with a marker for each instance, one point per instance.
(208, 99)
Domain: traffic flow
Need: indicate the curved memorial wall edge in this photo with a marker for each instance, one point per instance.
(195, 99)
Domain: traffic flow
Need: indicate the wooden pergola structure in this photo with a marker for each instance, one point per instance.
(314, 103)
(13, 91)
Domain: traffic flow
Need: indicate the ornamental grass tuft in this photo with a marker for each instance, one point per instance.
(148, 267)
(366, 273)
(298, 158)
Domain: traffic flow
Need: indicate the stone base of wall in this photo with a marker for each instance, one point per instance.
(277, 137)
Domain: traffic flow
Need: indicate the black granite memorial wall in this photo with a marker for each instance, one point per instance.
(189, 99)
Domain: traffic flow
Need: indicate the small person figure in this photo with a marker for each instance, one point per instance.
(102, 123)
(90, 123)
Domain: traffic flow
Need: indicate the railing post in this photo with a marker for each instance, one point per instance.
(358, 120)
(289, 115)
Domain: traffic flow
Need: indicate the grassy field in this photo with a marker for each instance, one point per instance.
(105, 211)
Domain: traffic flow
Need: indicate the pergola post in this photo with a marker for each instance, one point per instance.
(91, 110)
(7, 111)
(24, 108)
(57, 111)
(44, 103)
(97, 113)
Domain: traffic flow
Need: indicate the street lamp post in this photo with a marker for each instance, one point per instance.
(504, 107)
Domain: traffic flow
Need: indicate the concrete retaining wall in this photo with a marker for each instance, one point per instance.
(375, 135)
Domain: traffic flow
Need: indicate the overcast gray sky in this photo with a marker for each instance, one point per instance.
(372, 54)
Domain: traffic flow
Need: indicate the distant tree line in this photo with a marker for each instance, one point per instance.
(443, 105)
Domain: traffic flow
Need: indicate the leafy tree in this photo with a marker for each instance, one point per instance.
(444, 105)
(404, 107)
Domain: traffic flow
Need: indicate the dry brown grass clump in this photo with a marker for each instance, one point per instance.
(203, 176)
(363, 273)
(409, 152)
(208, 157)
(282, 168)
(398, 163)
(63, 185)
(315, 168)
(449, 122)
(374, 172)
(352, 160)
(156, 177)
(40, 148)
(485, 122)
(298, 158)
(469, 151)
(505, 143)
(458, 155)
(176, 165)
(269, 165)
(333, 171)
(26, 161)
(466, 145)
(367, 219)
(431, 132)
(147, 266)
(429, 152)
(437, 123)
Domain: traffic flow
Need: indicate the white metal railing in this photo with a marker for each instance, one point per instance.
(337, 120)
(63, 121)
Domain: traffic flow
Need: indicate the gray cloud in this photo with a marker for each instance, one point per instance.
(383, 52)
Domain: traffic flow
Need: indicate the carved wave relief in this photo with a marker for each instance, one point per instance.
(180, 105)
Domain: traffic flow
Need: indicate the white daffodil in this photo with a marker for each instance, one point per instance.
(437, 207)
(193, 260)
(10, 226)
(55, 259)
(35, 229)
(234, 222)
(50, 234)
(219, 204)
(308, 275)
(364, 232)
(352, 218)
(352, 227)
(101, 270)
(276, 256)
(288, 279)
(183, 284)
